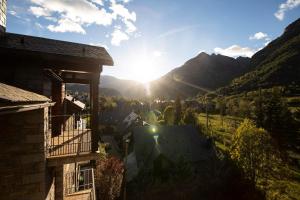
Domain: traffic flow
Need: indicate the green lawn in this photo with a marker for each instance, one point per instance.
(222, 132)
(288, 188)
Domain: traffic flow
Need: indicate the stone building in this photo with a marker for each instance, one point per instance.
(62, 163)
(24, 174)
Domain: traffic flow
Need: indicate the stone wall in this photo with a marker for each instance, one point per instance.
(2, 15)
(23, 170)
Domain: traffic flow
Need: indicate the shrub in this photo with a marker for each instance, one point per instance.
(254, 152)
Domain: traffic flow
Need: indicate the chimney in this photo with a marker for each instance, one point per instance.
(2, 17)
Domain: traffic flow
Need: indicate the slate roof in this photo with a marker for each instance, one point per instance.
(50, 46)
(174, 142)
(13, 95)
(75, 102)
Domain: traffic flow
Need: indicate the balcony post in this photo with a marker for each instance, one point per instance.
(95, 108)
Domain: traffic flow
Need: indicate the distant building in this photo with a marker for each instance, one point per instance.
(44, 154)
(173, 142)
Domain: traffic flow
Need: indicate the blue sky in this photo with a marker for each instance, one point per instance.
(148, 38)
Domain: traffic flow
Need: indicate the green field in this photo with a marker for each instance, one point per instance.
(221, 131)
(287, 188)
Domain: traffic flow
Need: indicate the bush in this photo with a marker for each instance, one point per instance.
(169, 115)
(254, 152)
(189, 117)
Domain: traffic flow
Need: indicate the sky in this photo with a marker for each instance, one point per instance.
(148, 38)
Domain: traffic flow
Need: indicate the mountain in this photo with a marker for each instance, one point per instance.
(275, 65)
(127, 88)
(200, 74)
(82, 88)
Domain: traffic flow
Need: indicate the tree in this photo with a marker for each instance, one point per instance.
(178, 111)
(189, 117)
(272, 114)
(169, 115)
(221, 107)
(244, 108)
(254, 151)
(151, 118)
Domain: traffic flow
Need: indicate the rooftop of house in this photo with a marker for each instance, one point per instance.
(11, 41)
(174, 142)
(12, 95)
(80, 105)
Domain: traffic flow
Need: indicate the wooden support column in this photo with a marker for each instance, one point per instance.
(94, 90)
(58, 93)
(59, 182)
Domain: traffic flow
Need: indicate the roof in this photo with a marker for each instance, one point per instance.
(130, 119)
(10, 94)
(77, 103)
(50, 46)
(174, 142)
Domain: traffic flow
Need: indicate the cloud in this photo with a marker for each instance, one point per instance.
(13, 13)
(235, 51)
(284, 7)
(130, 27)
(126, 1)
(259, 36)
(66, 25)
(76, 15)
(118, 36)
(99, 2)
(120, 10)
(39, 11)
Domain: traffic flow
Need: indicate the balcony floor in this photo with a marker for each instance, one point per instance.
(72, 142)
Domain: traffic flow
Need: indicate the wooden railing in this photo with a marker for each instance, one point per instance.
(68, 135)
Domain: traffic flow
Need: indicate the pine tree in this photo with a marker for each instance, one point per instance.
(178, 111)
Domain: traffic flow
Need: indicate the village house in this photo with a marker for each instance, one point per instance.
(48, 145)
(174, 143)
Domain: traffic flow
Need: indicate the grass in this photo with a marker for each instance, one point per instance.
(288, 188)
(222, 132)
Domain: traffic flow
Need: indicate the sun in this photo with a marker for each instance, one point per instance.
(143, 68)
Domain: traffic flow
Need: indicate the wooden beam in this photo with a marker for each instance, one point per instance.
(95, 108)
(75, 77)
(54, 161)
(50, 61)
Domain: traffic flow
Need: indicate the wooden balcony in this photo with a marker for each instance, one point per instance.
(73, 144)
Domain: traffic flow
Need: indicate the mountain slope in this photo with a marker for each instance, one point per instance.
(275, 65)
(127, 88)
(199, 74)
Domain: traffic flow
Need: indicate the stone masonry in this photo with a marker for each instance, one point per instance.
(22, 159)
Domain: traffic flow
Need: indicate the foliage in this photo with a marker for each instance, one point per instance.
(253, 150)
(109, 176)
(178, 111)
(189, 117)
(151, 118)
(221, 106)
(169, 115)
(244, 108)
(275, 65)
(272, 113)
(107, 103)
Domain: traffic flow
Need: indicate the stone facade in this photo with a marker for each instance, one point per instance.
(23, 170)
(2, 15)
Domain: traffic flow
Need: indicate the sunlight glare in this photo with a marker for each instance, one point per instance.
(143, 69)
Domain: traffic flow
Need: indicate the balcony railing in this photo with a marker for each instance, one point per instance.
(68, 135)
(80, 184)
